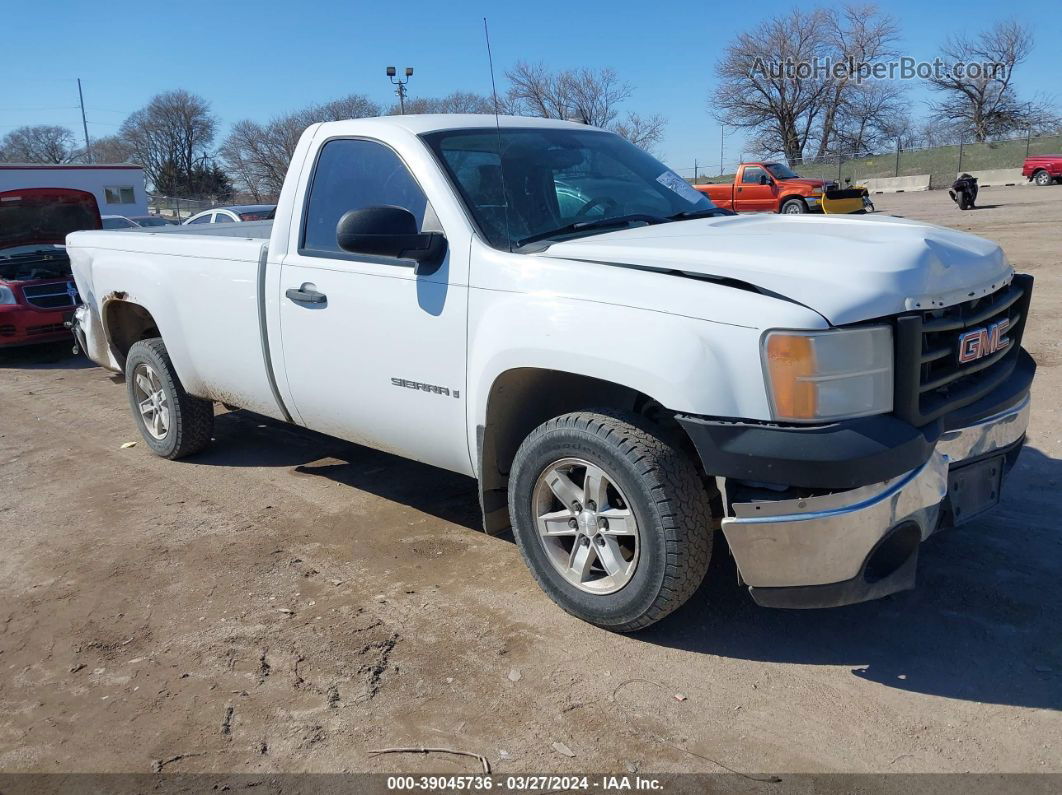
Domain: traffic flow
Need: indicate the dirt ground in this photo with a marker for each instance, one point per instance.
(287, 602)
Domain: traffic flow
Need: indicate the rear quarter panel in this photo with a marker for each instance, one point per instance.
(203, 295)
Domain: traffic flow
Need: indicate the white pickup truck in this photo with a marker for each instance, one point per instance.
(624, 367)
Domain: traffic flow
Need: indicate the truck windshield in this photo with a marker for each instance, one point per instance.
(781, 171)
(529, 184)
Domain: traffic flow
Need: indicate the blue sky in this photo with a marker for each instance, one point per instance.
(258, 58)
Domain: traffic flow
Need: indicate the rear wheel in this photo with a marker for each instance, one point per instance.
(612, 520)
(1042, 178)
(794, 207)
(173, 423)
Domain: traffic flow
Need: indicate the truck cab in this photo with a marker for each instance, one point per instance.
(768, 187)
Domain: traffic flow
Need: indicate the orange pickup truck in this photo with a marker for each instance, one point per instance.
(774, 188)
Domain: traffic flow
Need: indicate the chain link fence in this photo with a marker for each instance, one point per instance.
(942, 163)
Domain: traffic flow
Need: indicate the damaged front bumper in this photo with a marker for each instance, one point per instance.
(862, 543)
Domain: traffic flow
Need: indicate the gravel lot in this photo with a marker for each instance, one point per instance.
(287, 602)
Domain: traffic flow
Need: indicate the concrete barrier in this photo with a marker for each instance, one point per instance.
(897, 184)
(997, 177)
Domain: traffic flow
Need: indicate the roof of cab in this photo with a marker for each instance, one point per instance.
(435, 122)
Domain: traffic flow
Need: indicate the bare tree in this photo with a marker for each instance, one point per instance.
(535, 91)
(41, 143)
(871, 115)
(643, 131)
(457, 102)
(584, 95)
(757, 93)
(806, 81)
(109, 149)
(257, 154)
(977, 88)
(169, 138)
(857, 38)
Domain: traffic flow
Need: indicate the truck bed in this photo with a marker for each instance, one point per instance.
(254, 230)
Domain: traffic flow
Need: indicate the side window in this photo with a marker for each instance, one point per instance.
(751, 176)
(203, 219)
(222, 218)
(119, 194)
(350, 175)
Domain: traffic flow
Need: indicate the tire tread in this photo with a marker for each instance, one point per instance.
(679, 497)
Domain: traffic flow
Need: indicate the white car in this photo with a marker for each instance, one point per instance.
(623, 366)
(234, 215)
(118, 222)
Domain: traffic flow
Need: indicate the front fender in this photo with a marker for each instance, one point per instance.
(687, 365)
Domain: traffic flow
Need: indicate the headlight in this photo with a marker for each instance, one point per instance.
(7, 296)
(825, 375)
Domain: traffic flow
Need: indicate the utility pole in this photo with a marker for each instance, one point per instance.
(694, 171)
(720, 150)
(84, 123)
(401, 90)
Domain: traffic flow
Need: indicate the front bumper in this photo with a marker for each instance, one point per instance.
(850, 546)
(21, 325)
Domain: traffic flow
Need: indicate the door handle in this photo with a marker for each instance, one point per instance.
(306, 295)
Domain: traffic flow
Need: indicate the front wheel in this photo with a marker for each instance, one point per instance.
(612, 520)
(1042, 178)
(173, 423)
(794, 207)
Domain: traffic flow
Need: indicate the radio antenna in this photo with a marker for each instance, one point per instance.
(497, 129)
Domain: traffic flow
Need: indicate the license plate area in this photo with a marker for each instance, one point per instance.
(974, 488)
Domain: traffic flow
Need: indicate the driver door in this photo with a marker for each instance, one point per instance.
(752, 194)
(380, 360)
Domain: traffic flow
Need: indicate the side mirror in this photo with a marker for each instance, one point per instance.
(390, 232)
(764, 179)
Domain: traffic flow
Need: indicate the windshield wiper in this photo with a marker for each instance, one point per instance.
(689, 215)
(597, 223)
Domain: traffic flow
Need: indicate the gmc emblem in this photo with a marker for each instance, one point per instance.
(980, 342)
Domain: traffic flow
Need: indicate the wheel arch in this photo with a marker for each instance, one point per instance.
(522, 398)
(789, 197)
(126, 323)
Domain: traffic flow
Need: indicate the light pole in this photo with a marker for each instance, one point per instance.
(401, 90)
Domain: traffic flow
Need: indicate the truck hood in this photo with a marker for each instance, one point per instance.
(44, 216)
(803, 182)
(848, 268)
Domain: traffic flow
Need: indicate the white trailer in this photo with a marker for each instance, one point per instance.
(119, 189)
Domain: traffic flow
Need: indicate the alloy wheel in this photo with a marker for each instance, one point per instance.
(586, 525)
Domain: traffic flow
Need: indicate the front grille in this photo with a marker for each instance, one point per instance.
(51, 328)
(50, 296)
(930, 379)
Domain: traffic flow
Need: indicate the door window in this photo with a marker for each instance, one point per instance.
(222, 218)
(752, 176)
(202, 219)
(350, 175)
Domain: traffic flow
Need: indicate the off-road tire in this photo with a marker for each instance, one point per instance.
(666, 494)
(191, 418)
(793, 207)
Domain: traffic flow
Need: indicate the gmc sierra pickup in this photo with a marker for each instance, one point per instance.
(623, 366)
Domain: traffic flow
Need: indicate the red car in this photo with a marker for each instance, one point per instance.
(1042, 169)
(37, 290)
